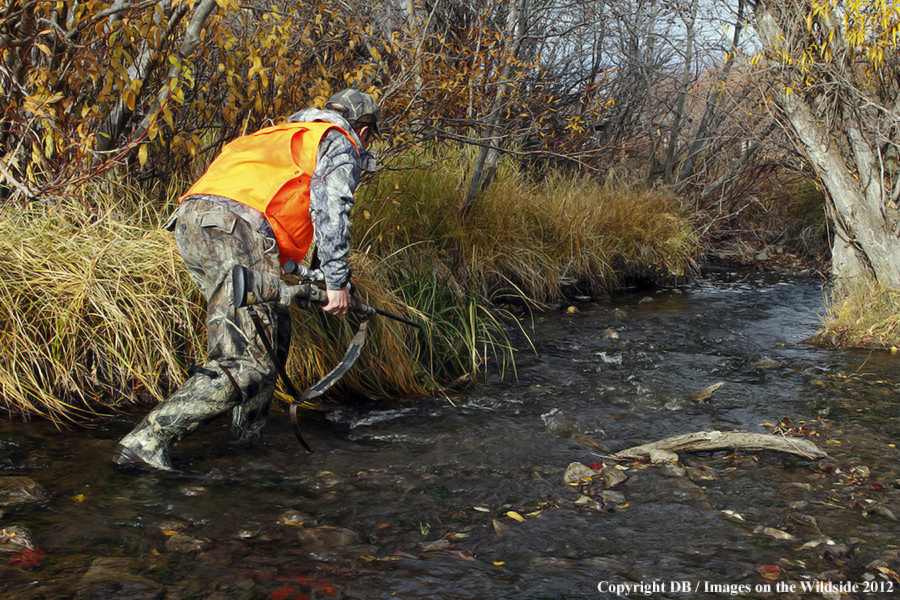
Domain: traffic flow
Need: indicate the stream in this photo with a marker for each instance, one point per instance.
(463, 497)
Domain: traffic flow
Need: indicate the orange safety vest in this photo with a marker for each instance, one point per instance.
(270, 171)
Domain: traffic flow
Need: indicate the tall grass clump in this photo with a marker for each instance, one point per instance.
(98, 312)
(94, 307)
(535, 241)
(862, 314)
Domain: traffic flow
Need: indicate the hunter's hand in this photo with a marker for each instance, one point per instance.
(338, 301)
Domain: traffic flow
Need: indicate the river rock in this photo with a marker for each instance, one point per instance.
(559, 423)
(611, 497)
(702, 474)
(16, 489)
(611, 476)
(328, 537)
(185, 543)
(777, 534)
(14, 538)
(589, 442)
(662, 456)
(672, 470)
(610, 334)
(293, 517)
(576, 471)
(328, 479)
(619, 314)
(681, 488)
(110, 577)
(766, 363)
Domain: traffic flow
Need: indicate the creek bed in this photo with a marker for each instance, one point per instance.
(464, 497)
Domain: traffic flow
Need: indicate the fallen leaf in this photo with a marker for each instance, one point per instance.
(515, 516)
(770, 572)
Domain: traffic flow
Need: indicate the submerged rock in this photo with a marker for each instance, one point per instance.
(702, 474)
(110, 577)
(328, 537)
(14, 538)
(185, 543)
(16, 489)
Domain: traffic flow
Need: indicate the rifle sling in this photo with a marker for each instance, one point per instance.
(324, 384)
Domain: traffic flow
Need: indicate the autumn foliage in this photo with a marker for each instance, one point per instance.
(148, 86)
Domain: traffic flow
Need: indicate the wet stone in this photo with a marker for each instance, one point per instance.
(185, 543)
(15, 538)
(327, 537)
(589, 442)
(328, 479)
(611, 497)
(576, 471)
(672, 470)
(662, 456)
(15, 489)
(109, 577)
(293, 517)
(611, 477)
(702, 474)
(683, 489)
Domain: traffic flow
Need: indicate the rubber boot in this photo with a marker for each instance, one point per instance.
(248, 419)
(201, 399)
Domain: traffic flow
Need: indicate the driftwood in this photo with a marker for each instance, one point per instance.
(705, 441)
(706, 393)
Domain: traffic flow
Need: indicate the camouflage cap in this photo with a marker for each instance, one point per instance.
(356, 107)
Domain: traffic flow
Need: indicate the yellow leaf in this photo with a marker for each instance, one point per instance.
(129, 98)
(170, 532)
(142, 154)
(515, 516)
(78, 498)
(44, 49)
(499, 563)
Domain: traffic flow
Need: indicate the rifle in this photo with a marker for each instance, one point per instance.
(252, 288)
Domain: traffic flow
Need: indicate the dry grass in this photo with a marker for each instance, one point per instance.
(862, 314)
(536, 241)
(97, 310)
(94, 308)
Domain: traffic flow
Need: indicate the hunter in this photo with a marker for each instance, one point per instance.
(264, 200)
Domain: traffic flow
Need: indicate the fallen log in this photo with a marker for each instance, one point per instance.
(705, 441)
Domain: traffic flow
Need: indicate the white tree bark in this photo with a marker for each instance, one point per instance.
(842, 148)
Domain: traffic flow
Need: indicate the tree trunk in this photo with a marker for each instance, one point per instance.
(838, 137)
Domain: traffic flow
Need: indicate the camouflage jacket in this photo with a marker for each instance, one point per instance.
(334, 180)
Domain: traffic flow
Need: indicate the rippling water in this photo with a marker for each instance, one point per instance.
(411, 500)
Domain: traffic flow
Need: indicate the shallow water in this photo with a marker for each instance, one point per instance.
(411, 500)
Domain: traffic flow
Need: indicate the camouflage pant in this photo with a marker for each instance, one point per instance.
(240, 375)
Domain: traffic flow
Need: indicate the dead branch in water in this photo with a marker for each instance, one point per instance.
(704, 441)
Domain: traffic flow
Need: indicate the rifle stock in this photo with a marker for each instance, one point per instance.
(251, 287)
